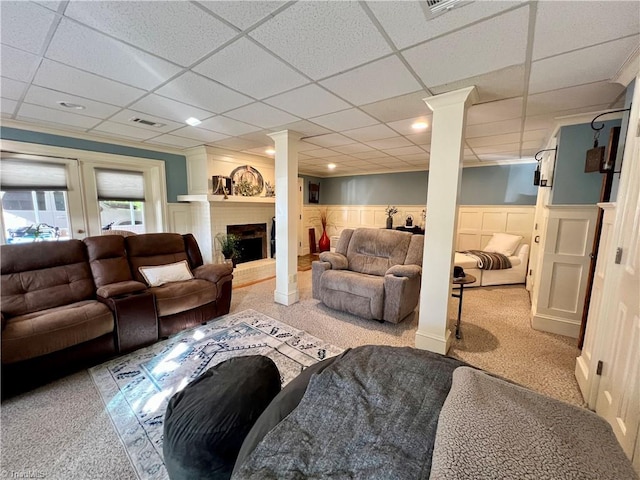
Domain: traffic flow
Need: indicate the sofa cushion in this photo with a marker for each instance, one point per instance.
(356, 293)
(206, 423)
(39, 333)
(108, 259)
(177, 297)
(152, 249)
(374, 250)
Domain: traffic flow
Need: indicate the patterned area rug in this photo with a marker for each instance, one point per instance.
(137, 387)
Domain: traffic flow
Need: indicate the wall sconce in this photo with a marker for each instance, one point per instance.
(537, 175)
(596, 161)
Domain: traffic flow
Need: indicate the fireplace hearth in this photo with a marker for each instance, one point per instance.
(252, 241)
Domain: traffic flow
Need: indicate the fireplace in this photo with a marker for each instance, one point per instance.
(253, 241)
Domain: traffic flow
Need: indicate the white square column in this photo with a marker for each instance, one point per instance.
(445, 172)
(287, 216)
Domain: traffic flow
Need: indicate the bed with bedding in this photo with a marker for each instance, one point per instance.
(503, 261)
(379, 412)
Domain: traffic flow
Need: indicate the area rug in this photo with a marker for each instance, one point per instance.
(137, 387)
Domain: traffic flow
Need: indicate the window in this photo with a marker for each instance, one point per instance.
(121, 199)
(60, 204)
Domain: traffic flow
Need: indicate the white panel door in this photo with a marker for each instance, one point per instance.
(618, 398)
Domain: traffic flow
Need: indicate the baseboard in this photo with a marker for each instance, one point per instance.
(432, 343)
(286, 298)
(559, 326)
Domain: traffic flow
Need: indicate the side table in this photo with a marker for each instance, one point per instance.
(462, 281)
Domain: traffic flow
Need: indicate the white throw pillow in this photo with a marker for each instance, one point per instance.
(503, 243)
(161, 274)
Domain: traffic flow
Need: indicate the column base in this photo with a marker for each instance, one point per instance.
(434, 343)
(286, 298)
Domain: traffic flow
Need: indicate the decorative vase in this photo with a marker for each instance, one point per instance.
(324, 244)
(389, 221)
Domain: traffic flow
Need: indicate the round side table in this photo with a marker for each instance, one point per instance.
(462, 281)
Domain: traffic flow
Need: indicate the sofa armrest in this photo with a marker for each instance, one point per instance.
(120, 288)
(136, 320)
(213, 272)
(318, 268)
(337, 260)
(409, 271)
(4, 320)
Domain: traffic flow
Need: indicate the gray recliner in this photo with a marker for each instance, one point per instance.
(373, 273)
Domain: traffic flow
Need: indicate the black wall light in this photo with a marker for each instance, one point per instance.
(537, 175)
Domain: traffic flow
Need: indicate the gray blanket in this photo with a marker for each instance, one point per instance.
(492, 429)
(489, 260)
(372, 415)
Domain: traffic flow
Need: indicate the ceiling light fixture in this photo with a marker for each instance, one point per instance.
(73, 106)
(193, 121)
(331, 166)
(270, 151)
(420, 126)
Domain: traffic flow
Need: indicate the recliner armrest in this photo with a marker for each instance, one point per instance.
(213, 272)
(120, 288)
(408, 271)
(337, 260)
(4, 320)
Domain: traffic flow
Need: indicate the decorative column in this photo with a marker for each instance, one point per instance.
(287, 215)
(445, 169)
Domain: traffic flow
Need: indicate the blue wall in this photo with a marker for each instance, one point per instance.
(175, 165)
(305, 190)
(571, 185)
(494, 185)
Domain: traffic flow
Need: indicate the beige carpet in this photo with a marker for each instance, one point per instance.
(61, 431)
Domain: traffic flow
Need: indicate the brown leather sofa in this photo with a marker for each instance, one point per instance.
(67, 305)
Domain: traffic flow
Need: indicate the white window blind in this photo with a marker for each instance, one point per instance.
(120, 185)
(18, 174)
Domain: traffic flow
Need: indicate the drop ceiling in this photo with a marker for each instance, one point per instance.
(349, 76)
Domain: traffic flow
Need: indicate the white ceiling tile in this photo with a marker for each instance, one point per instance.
(305, 128)
(406, 23)
(542, 134)
(128, 131)
(250, 69)
(167, 108)
(262, 115)
(241, 14)
(494, 128)
(416, 158)
(574, 97)
(399, 108)
(352, 148)
(494, 111)
(490, 45)
(305, 146)
(49, 115)
(494, 140)
(323, 38)
(420, 138)
(374, 132)
(261, 136)
(125, 117)
(83, 48)
(346, 119)
(375, 154)
(51, 5)
(329, 140)
(7, 107)
(412, 150)
(60, 77)
(25, 25)
(372, 82)
(388, 143)
(532, 145)
(308, 101)
(178, 31)
(235, 143)
(174, 141)
(497, 85)
(228, 126)
(48, 98)
(497, 157)
(193, 89)
(507, 147)
(259, 151)
(18, 65)
(564, 26)
(201, 134)
(11, 89)
(587, 66)
(404, 127)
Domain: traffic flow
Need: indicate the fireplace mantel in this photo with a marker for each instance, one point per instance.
(230, 199)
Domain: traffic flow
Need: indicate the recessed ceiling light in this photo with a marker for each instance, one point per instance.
(270, 151)
(420, 126)
(193, 121)
(73, 106)
(331, 166)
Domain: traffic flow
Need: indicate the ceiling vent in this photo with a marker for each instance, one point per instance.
(437, 6)
(148, 123)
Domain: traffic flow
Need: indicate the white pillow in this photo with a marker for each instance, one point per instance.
(503, 243)
(173, 272)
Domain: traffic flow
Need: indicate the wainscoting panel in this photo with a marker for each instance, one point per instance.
(179, 217)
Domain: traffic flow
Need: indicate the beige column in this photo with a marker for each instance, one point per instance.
(445, 169)
(287, 215)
